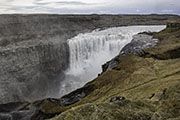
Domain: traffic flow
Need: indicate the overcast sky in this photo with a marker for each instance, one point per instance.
(90, 6)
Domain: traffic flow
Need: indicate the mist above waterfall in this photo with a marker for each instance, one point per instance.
(89, 51)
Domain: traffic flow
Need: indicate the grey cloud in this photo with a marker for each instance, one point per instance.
(9, 0)
(62, 3)
(41, 3)
(143, 7)
(72, 2)
(22, 8)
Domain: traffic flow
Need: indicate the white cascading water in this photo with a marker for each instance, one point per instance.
(89, 51)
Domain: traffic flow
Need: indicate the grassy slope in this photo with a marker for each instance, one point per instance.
(136, 78)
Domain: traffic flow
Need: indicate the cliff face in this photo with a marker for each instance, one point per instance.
(144, 84)
(138, 87)
(34, 52)
(26, 72)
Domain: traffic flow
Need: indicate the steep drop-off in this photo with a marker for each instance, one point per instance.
(34, 52)
(145, 87)
(89, 51)
(142, 85)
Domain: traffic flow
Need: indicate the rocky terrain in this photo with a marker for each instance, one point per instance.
(34, 52)
(143, 84)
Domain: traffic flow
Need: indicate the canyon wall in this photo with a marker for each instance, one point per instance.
(144, 84)
(34, 52)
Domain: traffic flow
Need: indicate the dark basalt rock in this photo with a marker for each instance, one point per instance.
(109, 65)
(139, 42)
(119, 98)
(9, 107)
(173, 24)
(75, 96)
(66, 100)
(16, 111)
(150, 83)
(26, 111)
(34, 53)
(39, 115)
(171, 54)
(23, 111)
(5, 117)
(147, 33)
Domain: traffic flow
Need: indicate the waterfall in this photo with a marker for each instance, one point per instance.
(90, 50)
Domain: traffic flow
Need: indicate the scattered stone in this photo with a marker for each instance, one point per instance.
(152, 96)
(119, 98)
(164, 95)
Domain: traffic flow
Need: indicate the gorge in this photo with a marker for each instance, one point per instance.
(34, 50)
(89, 51)
(44, 57)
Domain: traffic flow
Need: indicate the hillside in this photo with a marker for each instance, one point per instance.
(34, 51)
(146, 87)
(142, 85)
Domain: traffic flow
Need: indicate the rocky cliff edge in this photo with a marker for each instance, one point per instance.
(145, 87)
(34, 52)
(139, 87)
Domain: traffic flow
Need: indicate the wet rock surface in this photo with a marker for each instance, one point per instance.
(134, 77)
(34, 52)
(16, 111)
(150, 85)
(139, 43)
(75, 96)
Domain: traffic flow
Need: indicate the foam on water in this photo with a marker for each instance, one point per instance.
(89, 51)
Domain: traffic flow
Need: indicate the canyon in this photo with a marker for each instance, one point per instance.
(34, 51)
(35, 58)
